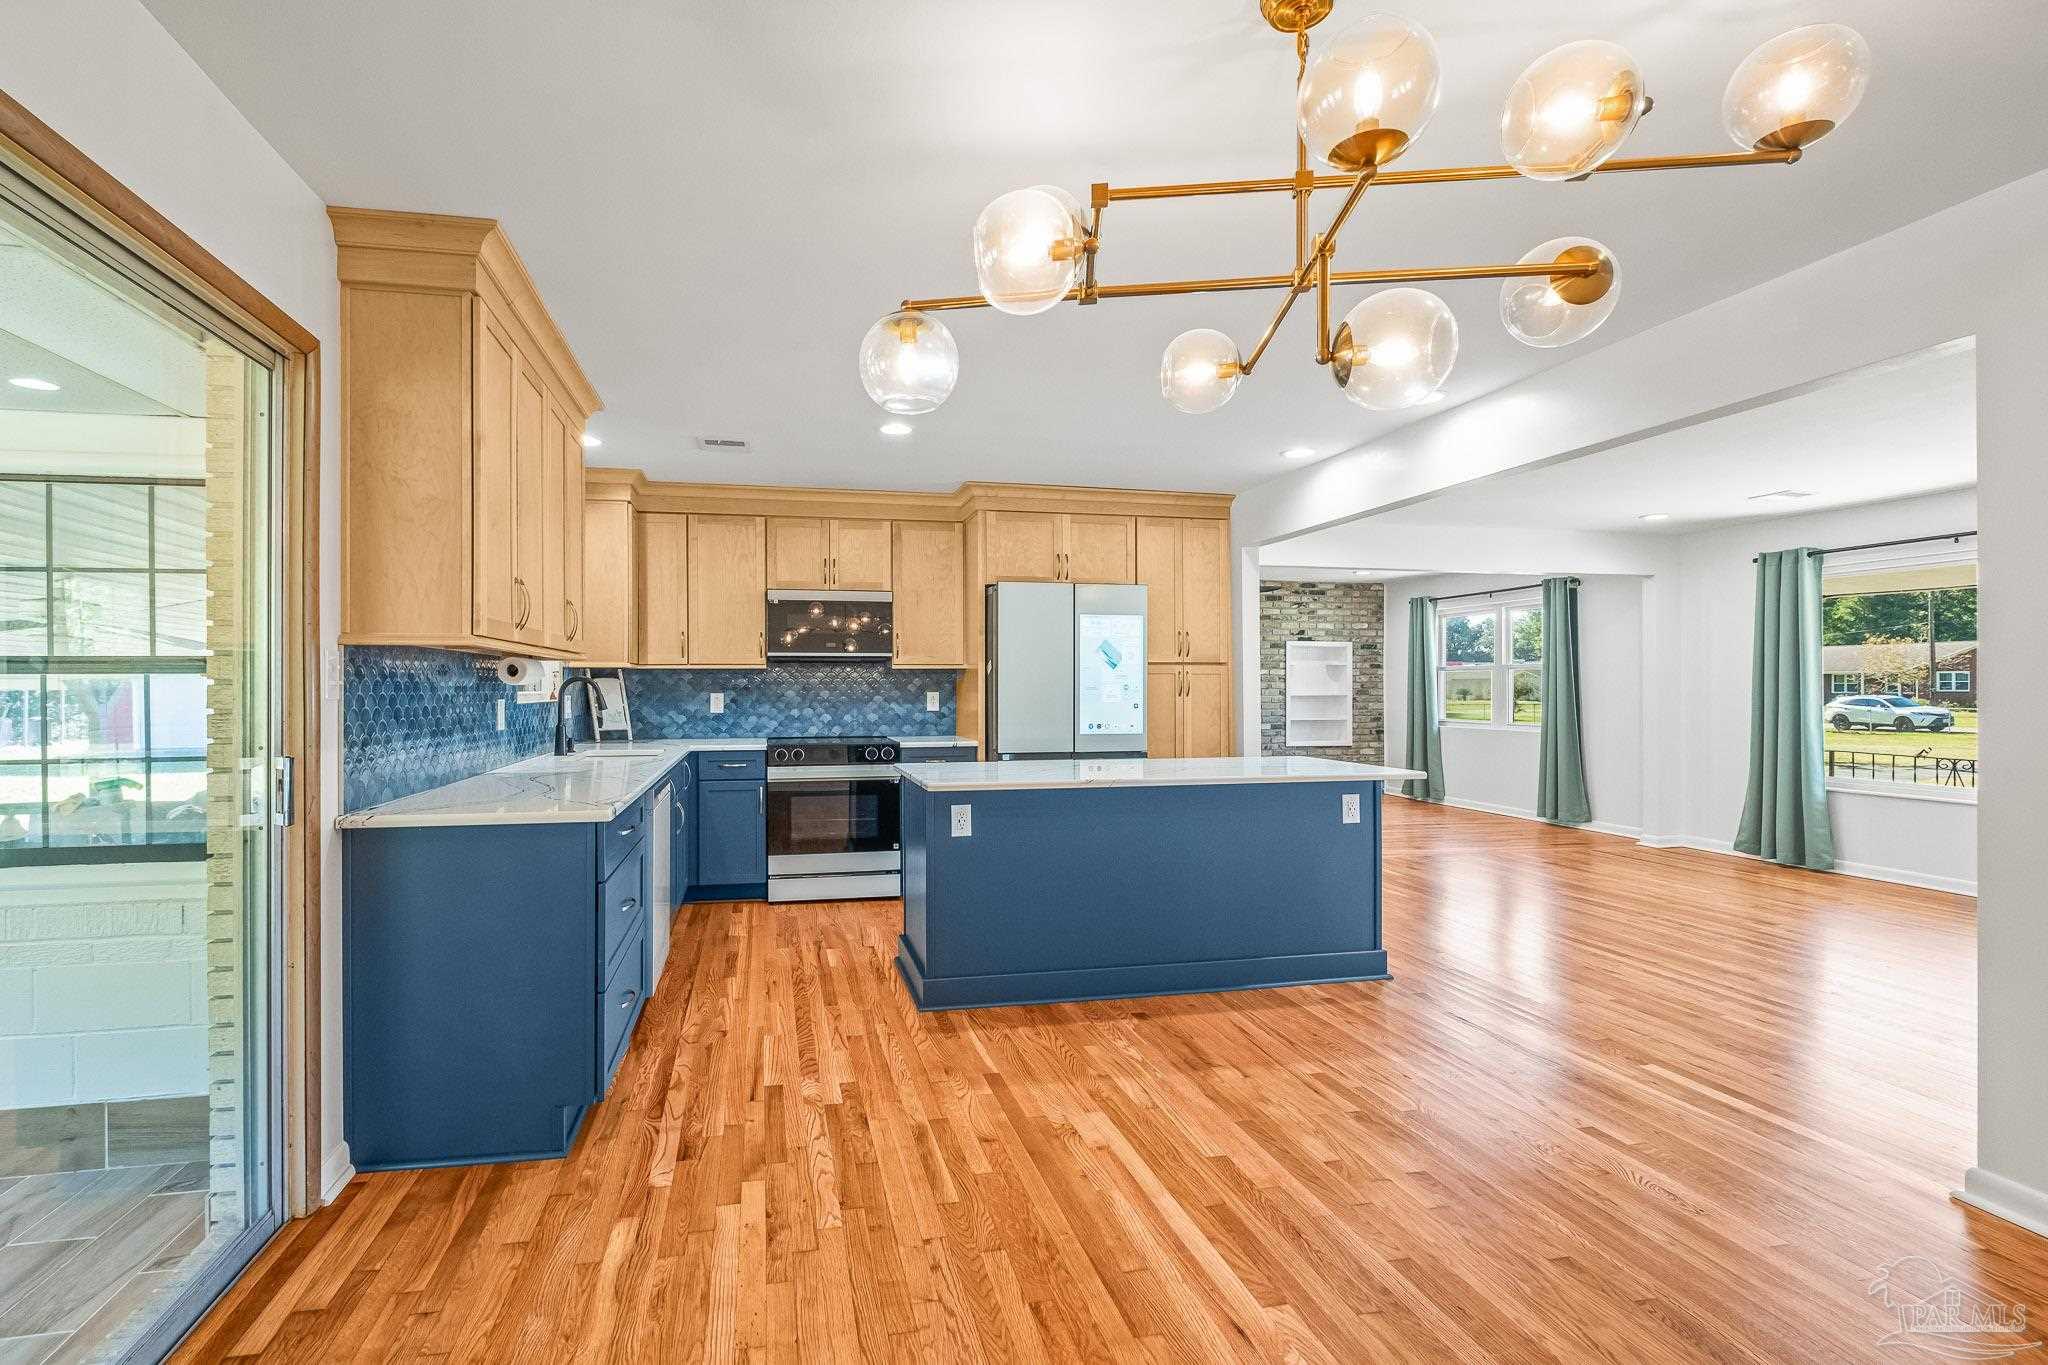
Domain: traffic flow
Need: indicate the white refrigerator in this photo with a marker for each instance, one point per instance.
(1066, 670)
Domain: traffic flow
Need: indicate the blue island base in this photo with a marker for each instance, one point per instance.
(1046, 895)
(1123, 983)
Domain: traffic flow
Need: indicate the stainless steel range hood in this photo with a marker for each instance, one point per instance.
(830, 624)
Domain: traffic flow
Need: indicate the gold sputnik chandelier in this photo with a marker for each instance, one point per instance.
(1358, 106)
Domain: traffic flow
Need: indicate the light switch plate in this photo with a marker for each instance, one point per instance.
(931, 701)
(501, 713)
(718, 703)
(963, 821)
(1350, 808)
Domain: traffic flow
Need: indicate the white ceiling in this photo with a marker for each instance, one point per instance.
(717, 201)
(1889, 432)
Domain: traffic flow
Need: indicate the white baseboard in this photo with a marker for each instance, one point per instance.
(1899, 876)
(1518, 813)
(2004, 1198)
(335, 1173)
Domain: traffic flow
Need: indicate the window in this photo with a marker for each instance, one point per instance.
(102, 658)
(1906, 635)
(1491, 664)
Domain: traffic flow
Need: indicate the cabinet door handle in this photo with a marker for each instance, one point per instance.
(761, 798)
(625, 906)
(627, 1002)
(733, 765)
(575, 618)
(629, 830)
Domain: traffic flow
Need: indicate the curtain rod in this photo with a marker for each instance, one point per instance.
(1884, 544)
(1489, 592)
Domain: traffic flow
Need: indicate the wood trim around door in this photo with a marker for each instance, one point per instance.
(75, 178)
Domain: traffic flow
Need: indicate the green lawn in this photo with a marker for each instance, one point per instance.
(1469, 708)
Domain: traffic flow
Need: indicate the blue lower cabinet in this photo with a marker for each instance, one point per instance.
(492, 977)
(732, 838)
(682, 844)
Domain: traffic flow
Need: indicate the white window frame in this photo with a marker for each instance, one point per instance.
(1951, 673)
(1504, 666)
(1921, 556)
(1835, 688)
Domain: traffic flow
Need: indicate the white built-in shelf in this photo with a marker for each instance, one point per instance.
(1318, 694)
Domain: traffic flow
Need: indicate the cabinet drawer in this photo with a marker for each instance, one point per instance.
(622, 901)
(626, 831)
(618, 1007)
(732, 767)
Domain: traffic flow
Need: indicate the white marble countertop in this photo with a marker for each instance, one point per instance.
(589, 786)
(1023, 774)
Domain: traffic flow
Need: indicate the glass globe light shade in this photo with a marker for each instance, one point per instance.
(1200, 370)
(1571, 109)
(1797, 87)
(1394, 349)
(1028, 246)
(1369, 94)
(908, 362)
(1540, 310)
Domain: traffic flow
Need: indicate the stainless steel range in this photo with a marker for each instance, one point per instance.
(835, 825)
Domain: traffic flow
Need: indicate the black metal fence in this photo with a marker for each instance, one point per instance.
(1937, 770)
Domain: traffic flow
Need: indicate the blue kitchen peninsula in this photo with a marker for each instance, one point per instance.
(1030, 882)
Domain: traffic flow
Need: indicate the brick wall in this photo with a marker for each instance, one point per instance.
(1324, 611)
(102, 983)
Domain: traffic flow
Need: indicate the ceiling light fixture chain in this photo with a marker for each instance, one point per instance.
(1359, 105)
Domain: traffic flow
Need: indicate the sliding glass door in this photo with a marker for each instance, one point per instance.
(140, 844)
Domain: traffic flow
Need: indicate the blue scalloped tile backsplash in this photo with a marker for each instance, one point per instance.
(414, 719)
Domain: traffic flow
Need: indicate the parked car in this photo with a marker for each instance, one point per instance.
(1886, 713)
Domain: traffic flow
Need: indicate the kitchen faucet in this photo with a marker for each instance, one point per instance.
(563, 744)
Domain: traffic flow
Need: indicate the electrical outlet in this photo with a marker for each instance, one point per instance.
(501, 713)
(931, 701)
(718, 703)
(1351, 814)
(963, 821)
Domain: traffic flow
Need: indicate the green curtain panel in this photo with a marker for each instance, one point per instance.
(1561, 772)
(1425, 740)
(1785, 815)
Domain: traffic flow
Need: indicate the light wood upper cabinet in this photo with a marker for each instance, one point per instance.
(460, 404)
(1098, 549)
(1021, 547)
(573, 605)
(728, 591)
(860, 554)
(821, 552)
(1184, 564)
(608, 629)
(1057, 547)
(662, 581)
(930, 595)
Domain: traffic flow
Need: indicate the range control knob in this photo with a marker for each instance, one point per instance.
(796, 755)
(888, 753)
(871, 753)
(780, 756)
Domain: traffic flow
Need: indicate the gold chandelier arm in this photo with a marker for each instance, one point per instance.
(1306, 272)
(1765, 156)
(1232, 284)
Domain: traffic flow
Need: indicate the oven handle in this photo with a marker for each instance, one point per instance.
(893, 779)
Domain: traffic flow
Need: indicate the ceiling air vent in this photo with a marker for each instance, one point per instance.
(723, 445)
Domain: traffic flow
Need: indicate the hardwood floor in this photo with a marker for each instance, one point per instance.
(1617, 1103)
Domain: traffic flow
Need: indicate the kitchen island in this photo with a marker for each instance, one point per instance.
(1031, 882)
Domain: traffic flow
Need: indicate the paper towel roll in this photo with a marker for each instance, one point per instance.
(518, 672)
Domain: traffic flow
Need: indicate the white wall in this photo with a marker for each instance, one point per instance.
(102, 983)
(1495, 767)
(1976, 271)
(105, 75)
(1925, 842)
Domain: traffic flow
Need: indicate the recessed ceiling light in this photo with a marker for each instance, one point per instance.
(1780, 495)
(895, 428)
(1654, 516)
(29, 381)
(591, 442)
(1297, 453)
(723, 445)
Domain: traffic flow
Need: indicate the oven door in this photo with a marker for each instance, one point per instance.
(837, 824)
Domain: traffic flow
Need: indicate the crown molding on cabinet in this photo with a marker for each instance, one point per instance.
(650, 495)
